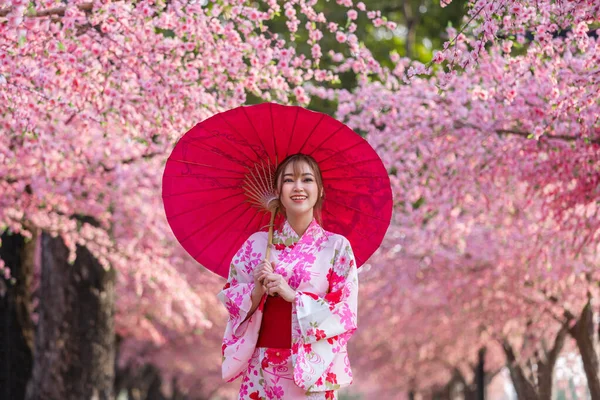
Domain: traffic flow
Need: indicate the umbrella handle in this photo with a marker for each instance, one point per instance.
(270, 241)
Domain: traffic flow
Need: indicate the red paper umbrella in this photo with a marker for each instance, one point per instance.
(216, 171)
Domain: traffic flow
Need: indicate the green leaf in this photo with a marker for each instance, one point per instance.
(418, 203)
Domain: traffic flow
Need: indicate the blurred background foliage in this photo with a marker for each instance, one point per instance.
(421, 29)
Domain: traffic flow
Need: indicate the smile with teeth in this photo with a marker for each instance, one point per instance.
(296, 198)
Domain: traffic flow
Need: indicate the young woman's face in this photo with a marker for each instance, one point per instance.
(299, 193)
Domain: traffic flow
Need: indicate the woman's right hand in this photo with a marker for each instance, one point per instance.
(260, 272)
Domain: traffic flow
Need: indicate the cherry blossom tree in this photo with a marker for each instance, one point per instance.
(96, 94)
(493, 146)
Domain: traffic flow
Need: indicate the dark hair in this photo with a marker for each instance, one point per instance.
(296, 160)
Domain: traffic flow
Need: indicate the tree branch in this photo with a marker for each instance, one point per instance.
(460, 124)
(57, 11)
(130, 160)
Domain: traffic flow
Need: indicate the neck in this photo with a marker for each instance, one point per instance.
(300, 223)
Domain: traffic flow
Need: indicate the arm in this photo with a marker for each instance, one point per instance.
(335, 314)
(258, 291)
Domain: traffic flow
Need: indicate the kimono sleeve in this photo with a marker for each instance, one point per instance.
(335, 313)
(241, 331)
(236, 295)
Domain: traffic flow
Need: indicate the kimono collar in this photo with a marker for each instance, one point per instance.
(289, 236)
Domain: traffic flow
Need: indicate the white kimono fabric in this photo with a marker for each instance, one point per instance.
(321, 267)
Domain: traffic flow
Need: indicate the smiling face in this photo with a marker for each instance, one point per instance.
(299, 186)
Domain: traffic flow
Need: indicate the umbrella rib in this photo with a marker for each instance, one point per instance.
(201, 190)
(355, 177)
(353, 164)
(211, 222)
(255, 131)
(334, 189)
(206, 165)
(236, 239)
(359, 260)
(236, 131)
(287, 149)
(357, 210)
(311, 132)
(273, 130)
(203, 145)
(214, 238)
(362, 141)
(202, 174)
(368, 238)
(262, 177)
(204, 205)
(327, 138)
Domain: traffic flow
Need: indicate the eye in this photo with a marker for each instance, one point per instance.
(308, 180)
(288, 180)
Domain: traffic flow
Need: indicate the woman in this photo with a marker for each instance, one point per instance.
(290, 317)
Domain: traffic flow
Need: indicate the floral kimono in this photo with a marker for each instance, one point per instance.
(320, 266)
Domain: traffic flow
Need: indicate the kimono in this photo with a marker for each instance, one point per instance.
(321, 268)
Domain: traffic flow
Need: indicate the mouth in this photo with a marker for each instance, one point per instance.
(298, 199)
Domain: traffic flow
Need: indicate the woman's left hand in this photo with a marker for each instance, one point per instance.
(275, 284)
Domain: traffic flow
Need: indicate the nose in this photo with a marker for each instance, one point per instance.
(298, 185)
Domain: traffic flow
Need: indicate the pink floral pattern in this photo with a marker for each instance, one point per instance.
(321, 267)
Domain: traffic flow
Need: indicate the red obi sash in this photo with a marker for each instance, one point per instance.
(276, 326)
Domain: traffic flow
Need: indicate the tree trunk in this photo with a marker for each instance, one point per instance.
(411, 21)
(145, 383)
(583, 333)
(545, 367)
(480, 375)
(75, 340)
(524, 388)
(16, 326)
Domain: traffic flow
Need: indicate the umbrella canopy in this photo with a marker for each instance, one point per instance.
(209, 210)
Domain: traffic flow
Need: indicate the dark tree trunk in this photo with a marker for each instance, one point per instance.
(480, 375)
(583, 333)
(411, 21)
(539, 387)
(524, 388)
(545, 366)
(16, 326)
(75, 339)
(145, 383)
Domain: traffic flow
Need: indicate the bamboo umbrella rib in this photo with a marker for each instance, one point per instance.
(359, 233)
(254, 129)
(311, 132)
(206, 204)
(292, 132)
(362, 141)
(352, 165)
(326, 139)
(200, 191)
(205, 146)
(371, 178)
(357, 210)
(273, 129)
(233, 242)
(206, 165)
(216, 218)
(239, 134)
(224, 229)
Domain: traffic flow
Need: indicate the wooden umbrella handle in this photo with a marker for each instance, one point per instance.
(270, 241)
